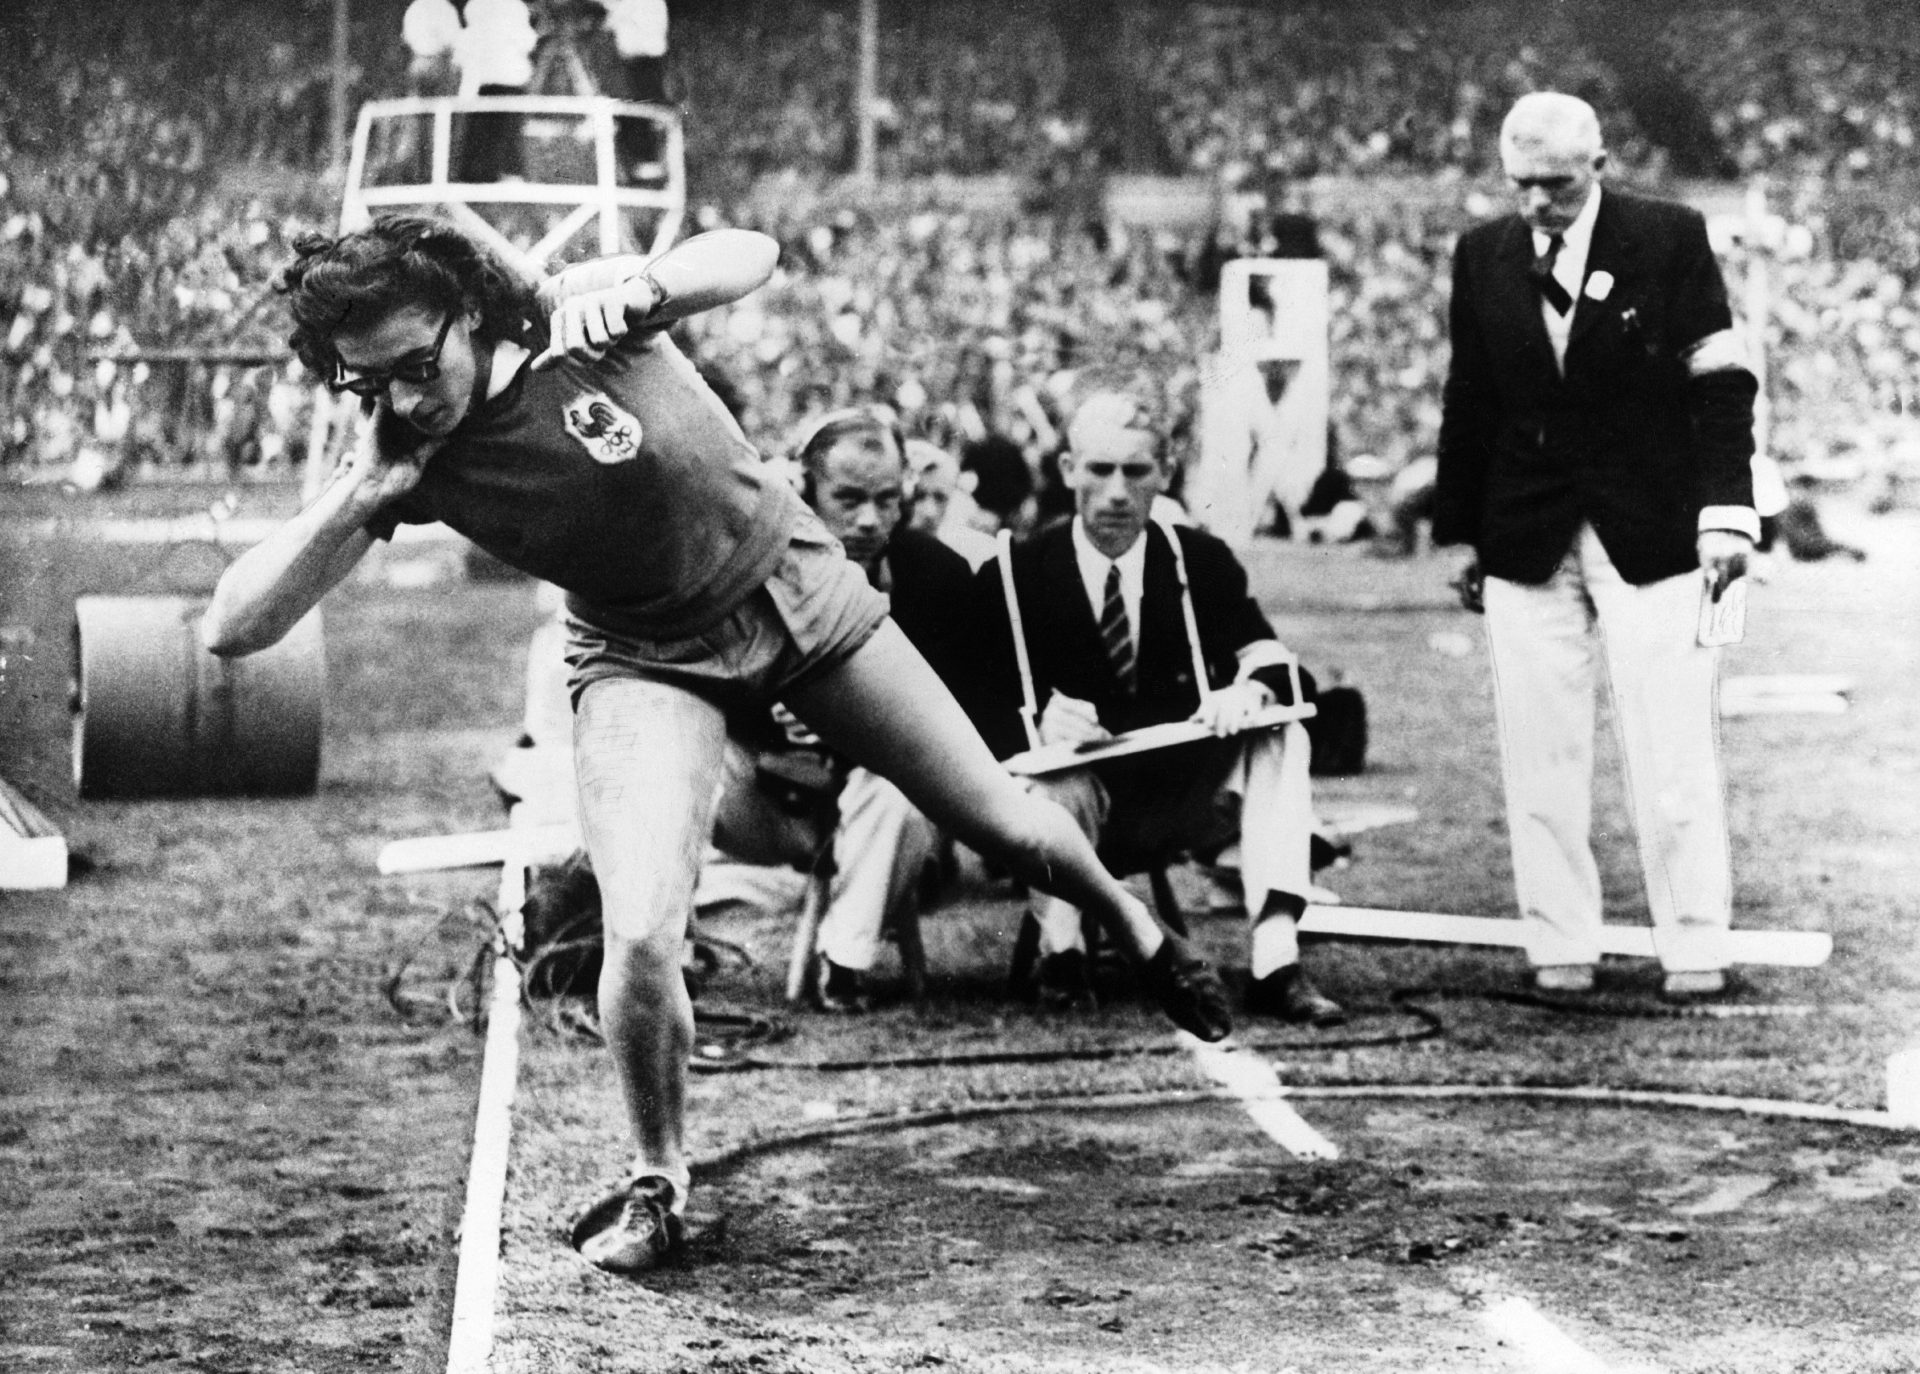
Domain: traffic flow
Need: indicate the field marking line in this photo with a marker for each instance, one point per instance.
(1254, 1084)
(1617, 1097)
(1536, 1343)
(477, 1280)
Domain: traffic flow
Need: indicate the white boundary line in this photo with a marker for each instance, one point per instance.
(1256, 1086)
(470, 1343)
(1536, 1343)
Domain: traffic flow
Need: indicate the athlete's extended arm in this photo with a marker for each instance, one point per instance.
(267, 589)
(596, 303)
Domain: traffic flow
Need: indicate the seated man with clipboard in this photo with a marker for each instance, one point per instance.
(1130, 675)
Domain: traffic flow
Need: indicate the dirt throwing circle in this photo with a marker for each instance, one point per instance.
(1175, 1235)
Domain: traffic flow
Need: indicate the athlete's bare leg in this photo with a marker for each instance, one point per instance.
(647, 755)
(888, 711)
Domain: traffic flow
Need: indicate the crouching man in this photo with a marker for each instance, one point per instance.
(853, 474)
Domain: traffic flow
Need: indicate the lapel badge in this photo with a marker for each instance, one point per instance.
(1599, 286)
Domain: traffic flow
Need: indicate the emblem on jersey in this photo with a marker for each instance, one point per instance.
(608, 433)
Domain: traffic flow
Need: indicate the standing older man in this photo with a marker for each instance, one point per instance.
(1100, 597)
(1594, 452)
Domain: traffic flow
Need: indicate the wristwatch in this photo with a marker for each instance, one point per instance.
(660, 293)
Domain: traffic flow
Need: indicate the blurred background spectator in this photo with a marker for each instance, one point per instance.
(157, 166)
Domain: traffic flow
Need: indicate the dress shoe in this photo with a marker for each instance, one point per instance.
(1287, 994)
(1064, 981)
(1061, 981)
(839, 990)
(1690, 984)
(1185, 987)
(1564, 978)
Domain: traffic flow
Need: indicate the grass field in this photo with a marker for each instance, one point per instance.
(233, 1108)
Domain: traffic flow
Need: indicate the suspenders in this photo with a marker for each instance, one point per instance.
(1200, 681)
(1030, 706)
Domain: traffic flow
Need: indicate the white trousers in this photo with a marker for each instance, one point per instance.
(1254, 450)
(882, 845)
(1264, 781)
(1549, 644)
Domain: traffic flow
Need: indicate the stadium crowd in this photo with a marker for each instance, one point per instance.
(140, 206)
(1788, 98)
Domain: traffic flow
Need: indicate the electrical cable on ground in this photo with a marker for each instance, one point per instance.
(733, 1157)
(725, 1037)
(559, 970)
(734, 1040)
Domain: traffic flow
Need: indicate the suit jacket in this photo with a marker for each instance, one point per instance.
(1629, 439)
(932, 602)
(1068, 655)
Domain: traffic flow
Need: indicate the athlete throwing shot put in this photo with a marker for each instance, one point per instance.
(558, 427)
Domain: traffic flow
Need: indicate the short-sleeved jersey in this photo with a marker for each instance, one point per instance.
(626, 482)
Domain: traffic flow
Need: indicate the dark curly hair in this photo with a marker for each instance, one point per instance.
(334, 284)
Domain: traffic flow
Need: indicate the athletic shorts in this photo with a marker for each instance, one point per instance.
(813, 613)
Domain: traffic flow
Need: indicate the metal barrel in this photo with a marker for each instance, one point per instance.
(155, 714)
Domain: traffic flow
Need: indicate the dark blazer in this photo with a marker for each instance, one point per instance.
(1628, 440)
(1063, 634)
(933, 603)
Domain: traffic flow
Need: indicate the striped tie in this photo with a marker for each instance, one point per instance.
(1115, 631)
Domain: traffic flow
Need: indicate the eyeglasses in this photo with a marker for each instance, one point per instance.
(417, 372)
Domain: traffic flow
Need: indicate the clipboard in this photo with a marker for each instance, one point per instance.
(1057, 758)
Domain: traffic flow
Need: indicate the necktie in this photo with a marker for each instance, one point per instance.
(1549, 285)
(1115, 632)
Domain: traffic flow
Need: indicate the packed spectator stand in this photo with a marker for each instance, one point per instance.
(156, 169)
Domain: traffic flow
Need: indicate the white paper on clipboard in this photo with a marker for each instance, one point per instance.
(1056, 758)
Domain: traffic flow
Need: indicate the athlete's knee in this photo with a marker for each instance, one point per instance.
(641, 984)
(651, 918)
(644, 965)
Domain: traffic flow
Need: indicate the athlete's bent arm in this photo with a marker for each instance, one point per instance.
(596, 303)
(266, 590)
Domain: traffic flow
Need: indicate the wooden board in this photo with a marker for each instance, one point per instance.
(33, 852)
(1337, 820)
(1782, 948)
(1785, 694)
(1055, 758)
(1801, 704)
(1788, 684)
(479, 849)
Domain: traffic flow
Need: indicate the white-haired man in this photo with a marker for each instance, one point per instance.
(1594, 453)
